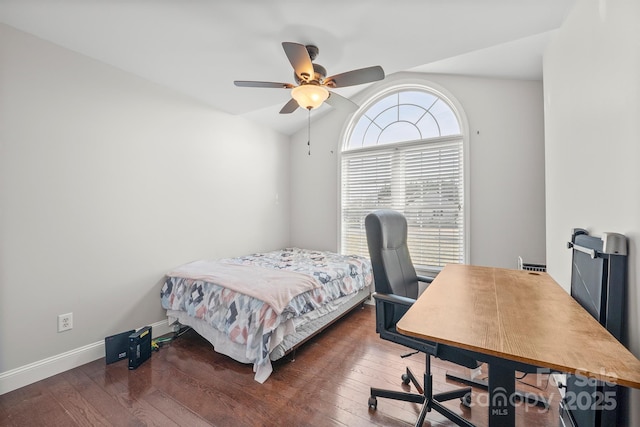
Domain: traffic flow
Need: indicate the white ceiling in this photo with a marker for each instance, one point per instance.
(199, 47)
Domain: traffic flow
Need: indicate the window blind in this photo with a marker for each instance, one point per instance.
(423, 180)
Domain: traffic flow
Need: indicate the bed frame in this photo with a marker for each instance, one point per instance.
(306, 332)
(308, 327)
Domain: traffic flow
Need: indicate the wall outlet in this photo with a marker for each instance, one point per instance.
(65, 322)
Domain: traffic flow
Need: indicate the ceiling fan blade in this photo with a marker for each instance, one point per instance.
(245, 83)
(299, 58)
(289, 107)
(355, 77)
(339, 101)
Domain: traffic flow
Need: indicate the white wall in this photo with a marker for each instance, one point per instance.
(505, 119)
(106, 182)
(592, 110)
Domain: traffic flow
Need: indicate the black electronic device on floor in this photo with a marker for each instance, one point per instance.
(599, 284)
(139, 347)
(116, 347)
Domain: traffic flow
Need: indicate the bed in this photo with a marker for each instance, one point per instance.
(260, 307)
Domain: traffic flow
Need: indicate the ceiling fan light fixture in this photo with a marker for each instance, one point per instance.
(309, 96)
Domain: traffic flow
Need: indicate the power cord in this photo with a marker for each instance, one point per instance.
(535, 386)
(157, 343)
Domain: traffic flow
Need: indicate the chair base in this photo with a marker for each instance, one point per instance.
(425, 397)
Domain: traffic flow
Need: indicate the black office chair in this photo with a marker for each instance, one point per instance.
(396, 285)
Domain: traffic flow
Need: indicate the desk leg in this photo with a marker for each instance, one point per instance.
(502, 387)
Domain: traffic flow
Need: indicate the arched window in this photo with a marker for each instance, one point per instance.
(405, 152)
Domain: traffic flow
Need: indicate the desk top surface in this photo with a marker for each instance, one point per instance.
(518, 315)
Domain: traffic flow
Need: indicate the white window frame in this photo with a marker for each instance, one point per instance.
(403, 84)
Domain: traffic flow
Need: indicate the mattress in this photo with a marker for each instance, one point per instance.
(241, 325)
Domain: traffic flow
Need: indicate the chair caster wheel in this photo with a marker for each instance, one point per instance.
(373, 403)
(466, 400)
(405, 379)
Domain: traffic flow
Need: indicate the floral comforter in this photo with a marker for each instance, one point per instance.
(249, 321)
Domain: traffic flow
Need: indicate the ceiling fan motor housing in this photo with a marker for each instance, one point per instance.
(313, 51)
(319, 73)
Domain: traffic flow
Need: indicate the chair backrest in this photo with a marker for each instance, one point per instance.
(393, 271)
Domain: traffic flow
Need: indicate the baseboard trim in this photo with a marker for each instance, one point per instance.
(45, 368)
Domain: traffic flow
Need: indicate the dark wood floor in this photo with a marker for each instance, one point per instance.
(187, 384)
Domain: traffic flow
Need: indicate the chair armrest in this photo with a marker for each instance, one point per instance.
(394, 299)
(425, 279)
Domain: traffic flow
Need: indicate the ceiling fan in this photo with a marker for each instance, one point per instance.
(312, 83)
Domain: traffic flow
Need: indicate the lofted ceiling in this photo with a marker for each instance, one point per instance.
(199, 47)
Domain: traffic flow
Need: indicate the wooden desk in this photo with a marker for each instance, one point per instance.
(516, 320)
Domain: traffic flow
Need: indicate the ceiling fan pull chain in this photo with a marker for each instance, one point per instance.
(309, 131)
